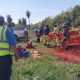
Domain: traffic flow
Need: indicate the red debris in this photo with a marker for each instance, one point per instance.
(73, 52)
(71, 55)
(52, 36)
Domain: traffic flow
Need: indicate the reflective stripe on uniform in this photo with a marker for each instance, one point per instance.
(4, 46)
(3, 41)
(2, 33)
(2, 38)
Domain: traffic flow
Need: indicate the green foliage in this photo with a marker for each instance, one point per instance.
(77, 21)
(19, 21)
(19, 26)
(9, 19)
(24, 22)
(28, 14)
(70, 17)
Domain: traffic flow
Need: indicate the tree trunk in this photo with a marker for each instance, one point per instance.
(29, 23)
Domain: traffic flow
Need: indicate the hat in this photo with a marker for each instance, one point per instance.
(64, 25)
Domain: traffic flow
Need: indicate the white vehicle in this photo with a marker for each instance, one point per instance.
(19, 34)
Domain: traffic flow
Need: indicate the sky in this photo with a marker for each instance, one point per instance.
(40, 9)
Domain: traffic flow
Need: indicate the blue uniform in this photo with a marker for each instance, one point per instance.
(46, 30)
(10, 37)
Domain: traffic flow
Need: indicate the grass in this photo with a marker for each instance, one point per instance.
(46, 68)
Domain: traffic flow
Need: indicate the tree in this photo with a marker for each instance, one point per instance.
(24, 22)
(77, 21)
(19, 21)
(9, 19)
(71, 17)
(28, 13)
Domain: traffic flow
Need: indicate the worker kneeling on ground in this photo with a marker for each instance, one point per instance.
(7, 42)
(23, 53)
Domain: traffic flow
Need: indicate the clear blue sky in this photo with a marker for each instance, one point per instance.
(40, 9)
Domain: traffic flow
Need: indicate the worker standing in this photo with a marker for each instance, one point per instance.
(66, 35)
(26, 34)
(56, 40)
(46, 35)
(6, 39)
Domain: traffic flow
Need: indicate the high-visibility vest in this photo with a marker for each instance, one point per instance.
(4, 46)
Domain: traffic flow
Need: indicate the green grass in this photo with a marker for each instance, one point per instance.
(45, 68)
